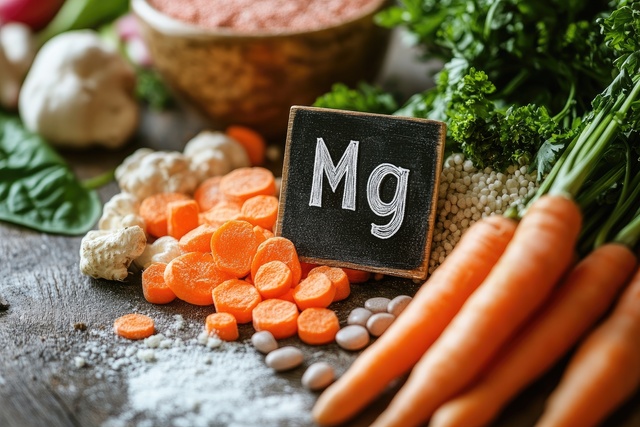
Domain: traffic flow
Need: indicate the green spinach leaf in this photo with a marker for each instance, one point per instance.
(37, 188)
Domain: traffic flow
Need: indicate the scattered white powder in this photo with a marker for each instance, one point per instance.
(79, 362)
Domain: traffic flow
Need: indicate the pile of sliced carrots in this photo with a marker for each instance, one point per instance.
(231, 260)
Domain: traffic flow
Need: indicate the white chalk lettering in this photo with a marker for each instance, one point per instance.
(395, 206)
(323, 165)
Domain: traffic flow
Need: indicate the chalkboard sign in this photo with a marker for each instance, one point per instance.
(359, 190)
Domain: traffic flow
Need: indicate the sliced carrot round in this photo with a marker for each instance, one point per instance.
(153, 210)
(207, 195)
(154, 288)
(224, 210)
(273, 279)
(237, 298)
(233, 246)
(357, 276)
(254, 144)
(243, 183)
(278, 249)
(317, 326)
(276, 316)
(198, 239)
(314, 291)
(223, 325)
(193, 276)
(182, 217)
(261, 210)
(134, 326)
(339, 279)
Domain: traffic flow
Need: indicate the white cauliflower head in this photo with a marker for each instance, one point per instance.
(121, 211)
(107, 254)
(147, 172)
(215, 154)
(162, 250)
(80, 91)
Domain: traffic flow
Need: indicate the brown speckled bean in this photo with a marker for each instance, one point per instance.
(353, 337)
(284, 358)
(398, 304)
(379, 322)
(264, 342)
(359, 316)
(318, 376)
(377, 304)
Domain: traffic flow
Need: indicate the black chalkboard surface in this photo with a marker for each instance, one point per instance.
(359, 190)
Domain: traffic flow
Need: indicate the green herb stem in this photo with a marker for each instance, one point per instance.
(99, 181)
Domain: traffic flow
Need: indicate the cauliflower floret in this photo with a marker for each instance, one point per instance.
(162, 250)
(215, 154)
(147, 172)
(120, 212)
(107, 254)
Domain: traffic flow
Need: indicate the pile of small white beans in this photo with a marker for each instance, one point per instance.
(467, 194)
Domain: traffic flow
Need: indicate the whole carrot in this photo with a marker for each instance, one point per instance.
(604, 371)
(432, 308)
(583, 297)
(540, 252)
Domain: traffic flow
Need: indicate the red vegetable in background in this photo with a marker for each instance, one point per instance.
(34, 13)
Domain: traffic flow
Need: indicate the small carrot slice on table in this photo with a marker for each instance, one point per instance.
(237, 298)
(198, 239)
(338, 278)
(193, 276)
(182, 217)
(134, 326)
(224, 210)
(414, 331)
(244, 183)
(318, 326)
(273, 279)
(254, 144)
(262, 233)
(314, 291)
(233, 246)
(580, 300)
(276, 316)
(514, 289)
(261, 210)
(357, 276)
(153, 210)
(154, 288)
(605, 369)
(278, 249)
(224, 325)
(207, 195)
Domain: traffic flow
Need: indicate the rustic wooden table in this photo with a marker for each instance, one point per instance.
(61, 364)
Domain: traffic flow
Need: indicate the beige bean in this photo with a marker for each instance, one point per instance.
(379, 322)
(318, 376)
(398, 304)
(359, 316)
(284, 358)
(377, 304)
(353, 337)
(264, 342)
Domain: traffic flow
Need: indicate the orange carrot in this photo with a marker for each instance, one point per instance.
(305, 268)
(134, 326)
(261, 210)
(278, 249)
(252, 141)
(288, 296)
(262, 234)
(604, 371)
(410, 335)
(207, 195)
(583, 297)
(198, 239)
(314, 291)
(244, 183)
(154, 288)
(318, 326)
(338, 278)
(182, 217)
(237, 298)
(273, 279)
(276, 316)
(357, 276)
(540, 252)
(233, 246)
(224, 210)
(223, 325)
(153, 211)
(193, 276)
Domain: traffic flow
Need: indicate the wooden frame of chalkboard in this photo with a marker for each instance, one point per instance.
(360, 190)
